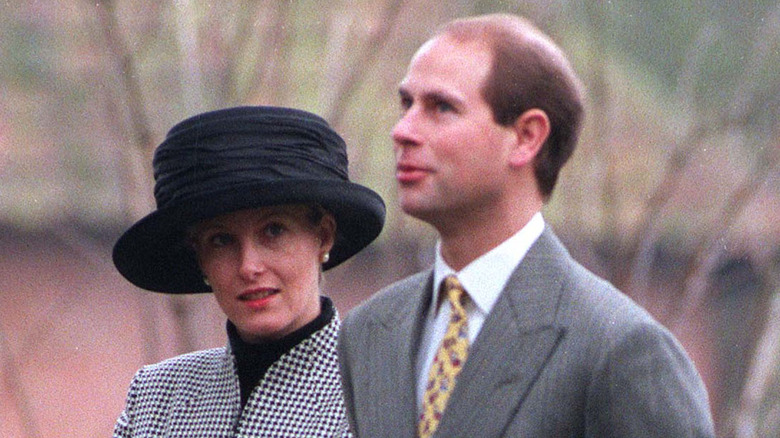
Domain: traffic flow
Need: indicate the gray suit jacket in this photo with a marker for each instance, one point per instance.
(562, 354)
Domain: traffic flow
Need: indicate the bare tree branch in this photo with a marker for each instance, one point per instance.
(759, 377)
(367, 57)
(139, 129)
(603, 98)
(137, 196)
(270, 71)
(707, 253)
(640, 249)
(137, 190)
(191, 78)
(691, 71)
(237, 46)
(765, 41)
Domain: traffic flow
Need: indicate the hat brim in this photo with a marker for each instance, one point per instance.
(153, 253)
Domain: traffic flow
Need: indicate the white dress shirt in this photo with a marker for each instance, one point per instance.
(483, 279)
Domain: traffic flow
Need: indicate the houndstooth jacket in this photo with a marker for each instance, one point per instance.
(198, 395)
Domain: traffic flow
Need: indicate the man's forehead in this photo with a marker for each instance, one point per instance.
(474, 45)
(441, 59)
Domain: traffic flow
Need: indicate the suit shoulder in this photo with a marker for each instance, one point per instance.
(593, 292)
(195, 365)
(388, 301)
(595, 308)
(397, 294)
(581, 289)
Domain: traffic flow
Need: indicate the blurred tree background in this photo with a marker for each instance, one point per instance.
(672, 195)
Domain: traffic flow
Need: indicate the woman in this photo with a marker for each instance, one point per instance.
(252, 203)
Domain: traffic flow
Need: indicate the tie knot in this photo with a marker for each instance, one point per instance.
(455, 293)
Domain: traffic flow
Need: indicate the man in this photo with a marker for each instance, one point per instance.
(525, 342)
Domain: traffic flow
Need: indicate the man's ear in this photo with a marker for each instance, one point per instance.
(532, 128)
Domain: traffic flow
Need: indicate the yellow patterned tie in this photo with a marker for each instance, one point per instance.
(448, 361)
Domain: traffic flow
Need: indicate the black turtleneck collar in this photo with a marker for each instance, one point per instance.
(253, 360)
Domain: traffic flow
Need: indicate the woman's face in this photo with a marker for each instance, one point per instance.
(264, 266)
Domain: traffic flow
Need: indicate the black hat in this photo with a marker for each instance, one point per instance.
(234, 159)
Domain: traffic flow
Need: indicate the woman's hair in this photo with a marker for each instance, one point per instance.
(528, 71)
(314, 215)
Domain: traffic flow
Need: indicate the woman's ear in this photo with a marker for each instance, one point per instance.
(327, 233)
(532, 128)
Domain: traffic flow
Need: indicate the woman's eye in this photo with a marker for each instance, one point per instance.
(220, 239)
(274, 230)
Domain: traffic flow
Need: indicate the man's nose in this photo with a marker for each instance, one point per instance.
(406, 131)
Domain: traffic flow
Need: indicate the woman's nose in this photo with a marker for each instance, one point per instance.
(252, 261)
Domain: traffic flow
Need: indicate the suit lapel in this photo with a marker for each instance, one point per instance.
(393, 380)
(517, 338)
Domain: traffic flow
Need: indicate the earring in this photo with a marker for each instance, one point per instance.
(206, 282)
(325, 257)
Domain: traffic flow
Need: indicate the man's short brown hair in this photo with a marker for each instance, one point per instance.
(529, 71)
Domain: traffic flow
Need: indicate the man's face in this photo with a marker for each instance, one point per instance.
(450, 153)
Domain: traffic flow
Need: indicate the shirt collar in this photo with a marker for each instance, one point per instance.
(485, 277)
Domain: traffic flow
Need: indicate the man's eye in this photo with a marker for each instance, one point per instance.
(406, 103)
(444, 107)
